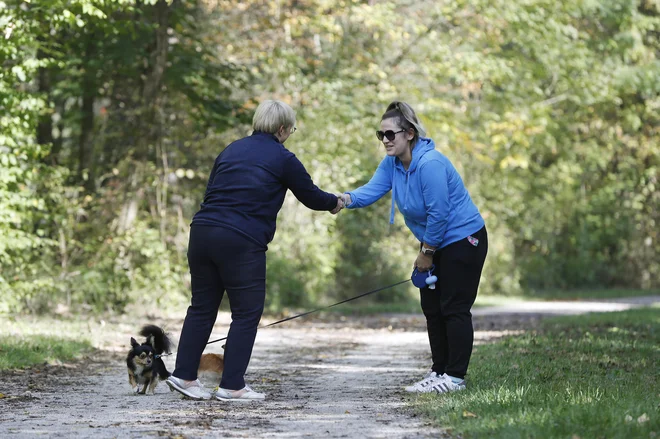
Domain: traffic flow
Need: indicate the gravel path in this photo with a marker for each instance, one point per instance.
(324, 378)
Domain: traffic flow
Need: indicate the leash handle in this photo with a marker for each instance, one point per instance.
(325, 307)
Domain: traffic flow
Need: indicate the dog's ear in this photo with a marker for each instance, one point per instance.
(134, 343)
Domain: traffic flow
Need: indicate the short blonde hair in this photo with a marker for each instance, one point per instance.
(271, 115)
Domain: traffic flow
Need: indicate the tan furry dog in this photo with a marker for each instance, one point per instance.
(210, 369)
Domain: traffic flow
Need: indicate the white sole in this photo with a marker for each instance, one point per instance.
(219, 398)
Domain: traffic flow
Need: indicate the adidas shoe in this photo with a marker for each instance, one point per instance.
(445, 385)
(425, 385)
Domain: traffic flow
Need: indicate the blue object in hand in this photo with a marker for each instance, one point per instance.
(423, 279)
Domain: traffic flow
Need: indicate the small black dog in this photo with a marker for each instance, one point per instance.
(145, 367)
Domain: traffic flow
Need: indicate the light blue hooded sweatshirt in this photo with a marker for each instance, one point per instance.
(431, 196)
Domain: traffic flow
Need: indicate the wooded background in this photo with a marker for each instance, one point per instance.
(112, 112)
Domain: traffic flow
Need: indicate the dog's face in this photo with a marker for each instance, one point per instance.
(143, 355)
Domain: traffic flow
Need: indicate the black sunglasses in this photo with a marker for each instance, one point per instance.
(389, 134)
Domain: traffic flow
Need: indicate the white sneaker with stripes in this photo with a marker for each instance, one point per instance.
(444, 384)
(425, 385)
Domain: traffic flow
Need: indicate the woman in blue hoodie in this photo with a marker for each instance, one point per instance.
(438, 210)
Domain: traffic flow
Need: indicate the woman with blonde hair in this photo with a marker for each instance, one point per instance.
(438, 210)
(229, 237)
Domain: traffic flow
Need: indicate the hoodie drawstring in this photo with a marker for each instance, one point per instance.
(405, 197)
(392, 210)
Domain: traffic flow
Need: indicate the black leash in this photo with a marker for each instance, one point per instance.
(325, 307)
(310, 312)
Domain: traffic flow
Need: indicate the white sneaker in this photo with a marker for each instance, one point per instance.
(245, 394)
(445, 385)
(426, 384)
(193, 389)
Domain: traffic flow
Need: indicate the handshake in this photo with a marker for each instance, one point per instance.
(343, 200)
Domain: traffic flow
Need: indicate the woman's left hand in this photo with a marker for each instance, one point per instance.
(424, 262)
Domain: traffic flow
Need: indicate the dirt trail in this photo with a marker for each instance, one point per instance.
(334, 379)
(321, 380)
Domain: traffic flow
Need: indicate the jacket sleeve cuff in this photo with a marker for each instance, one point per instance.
(352, 205)
(432, 243)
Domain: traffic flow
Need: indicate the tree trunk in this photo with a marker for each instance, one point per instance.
(151, 96)
(45, 126)
(58, 141)
(85, 144)
(149, 124)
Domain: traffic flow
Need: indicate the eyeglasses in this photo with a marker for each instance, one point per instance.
(292, 130)
(389, 134)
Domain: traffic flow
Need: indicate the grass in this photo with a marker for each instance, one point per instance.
(36, 350)
(30, 341)
(590, 376)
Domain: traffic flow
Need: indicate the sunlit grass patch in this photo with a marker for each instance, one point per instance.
(590, 376)
(33, 350)
(32, 341)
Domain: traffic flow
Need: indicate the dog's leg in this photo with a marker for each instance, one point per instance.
(131, 380)
(161, 370)
(152, 385)
(144, 389)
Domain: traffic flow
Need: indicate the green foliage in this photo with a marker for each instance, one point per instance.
(586, 376)
(115, 111)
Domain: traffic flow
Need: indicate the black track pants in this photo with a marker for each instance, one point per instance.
(222, 260)
(447, 307)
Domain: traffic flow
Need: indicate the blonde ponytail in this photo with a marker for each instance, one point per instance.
(407, 118)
